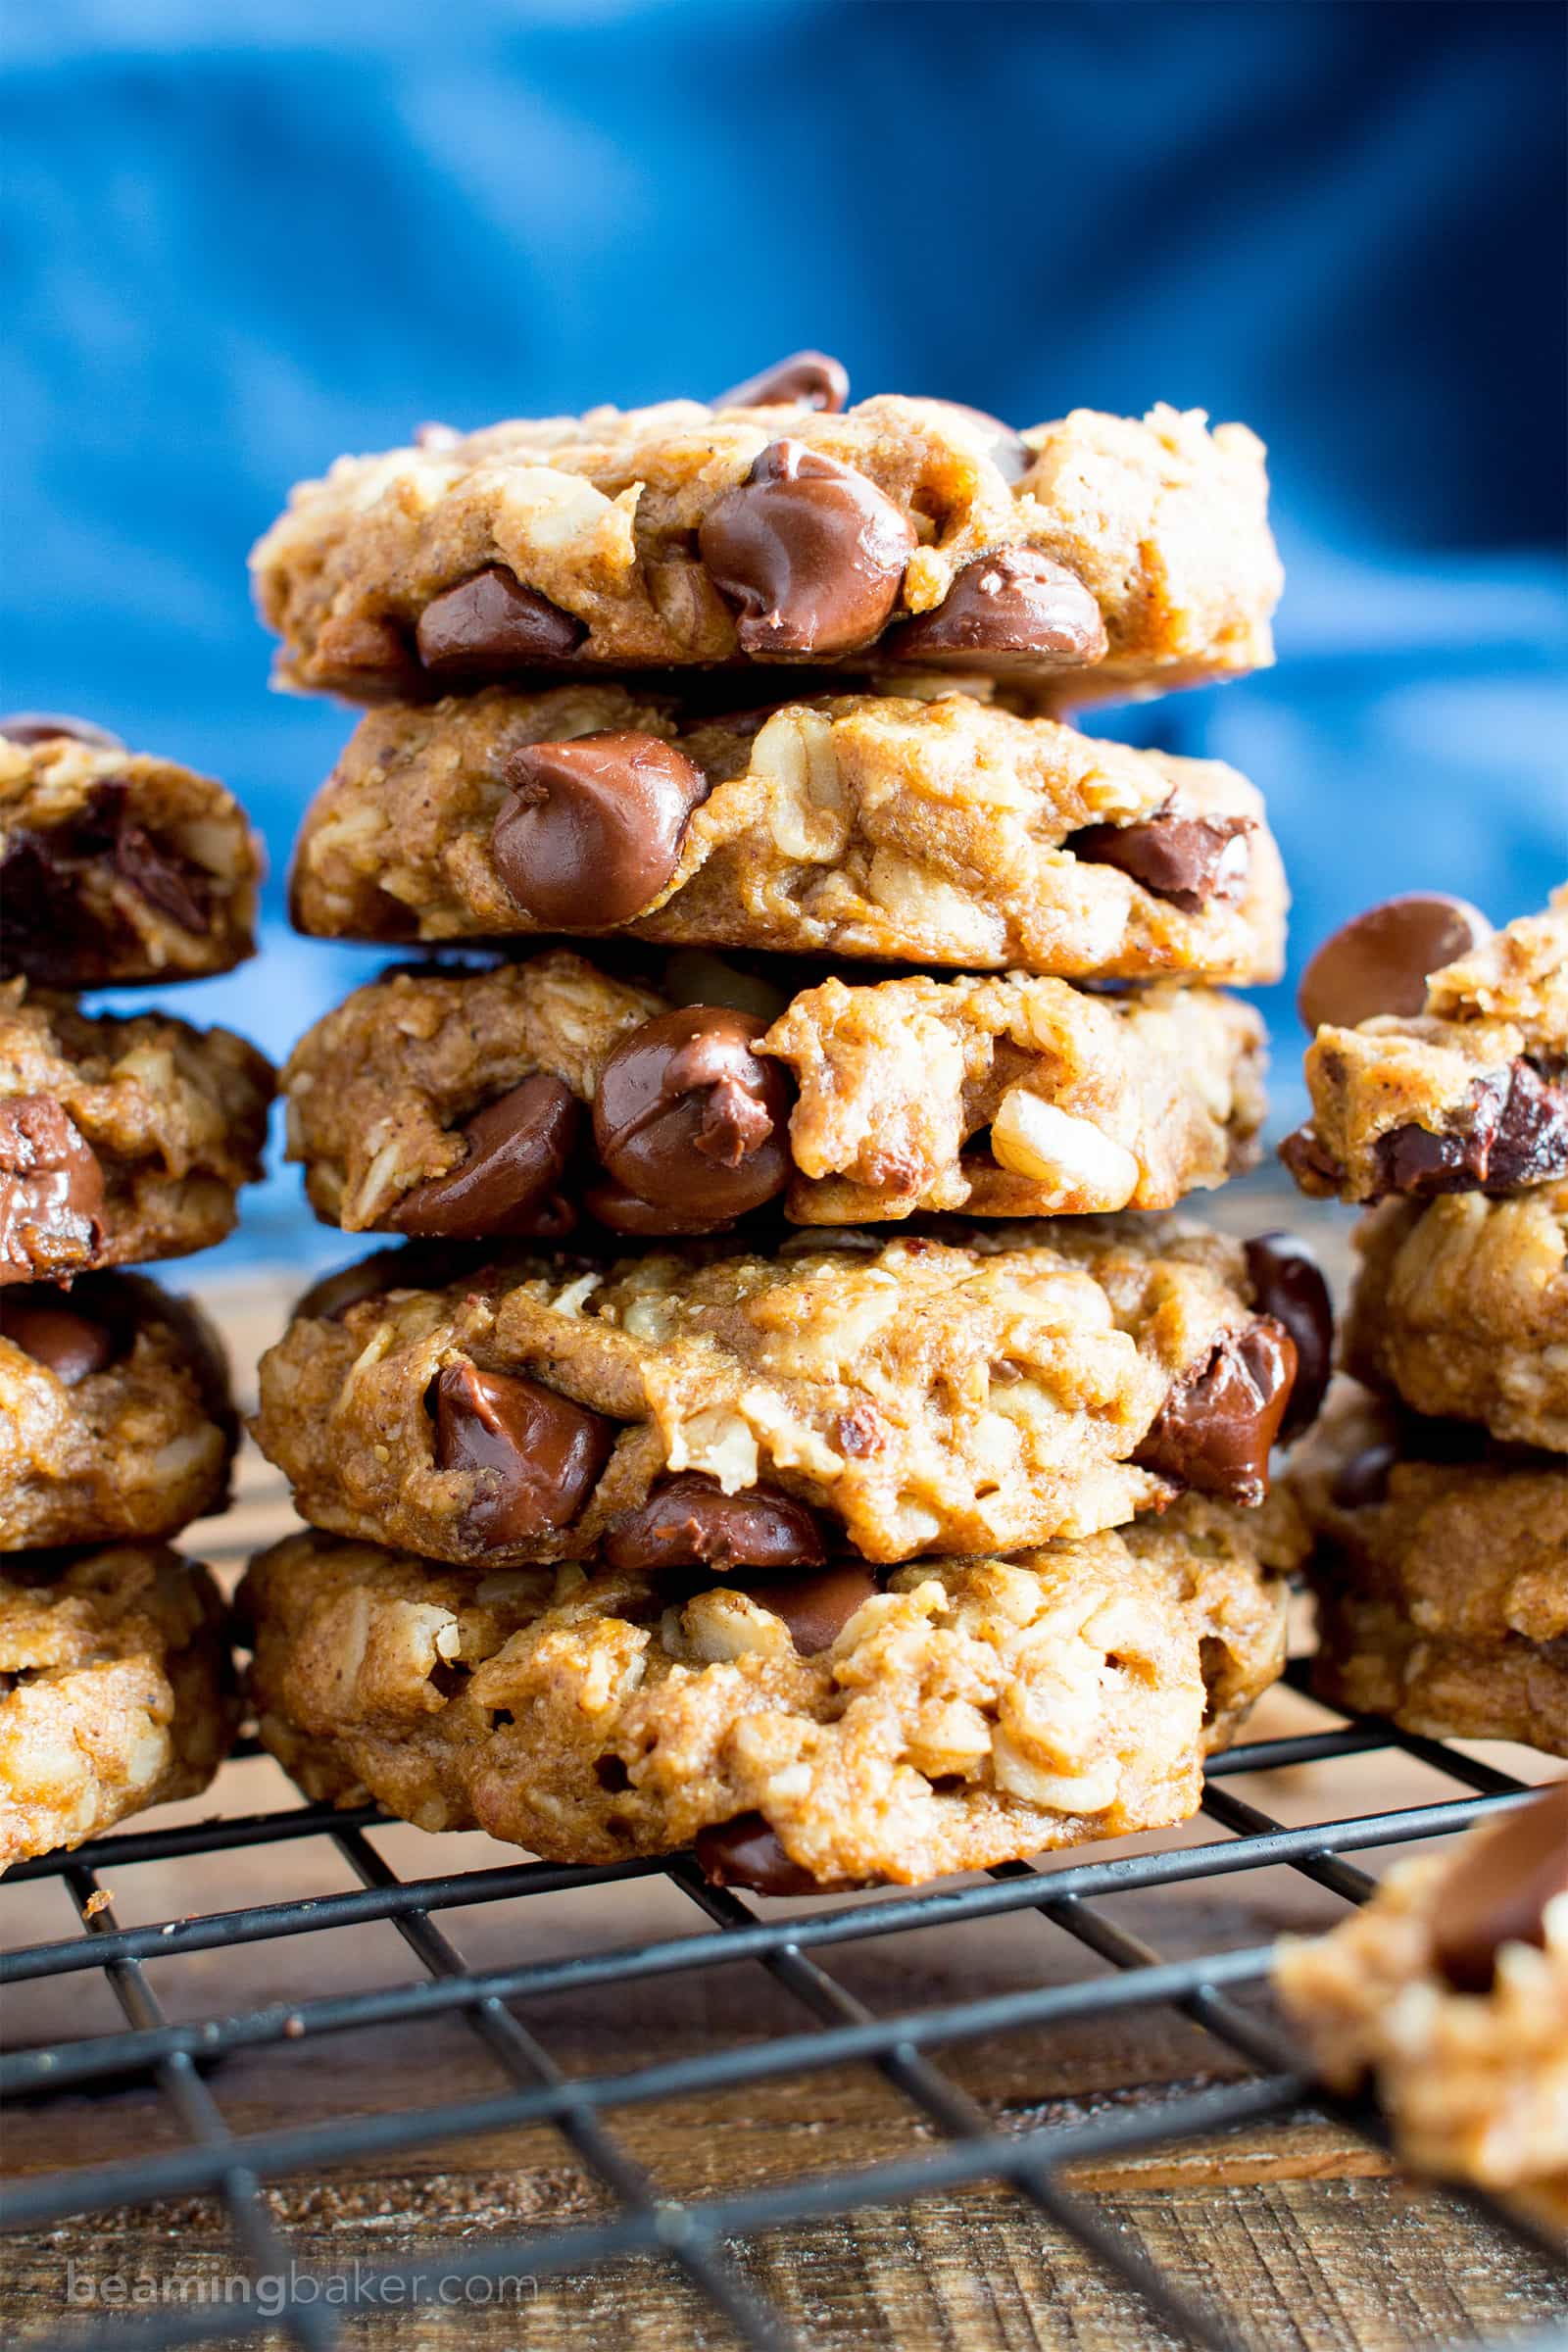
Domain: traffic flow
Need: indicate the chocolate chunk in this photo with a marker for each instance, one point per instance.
(1379, 961)
(1189, 860)
(1531, 1143)
(49, 934)
(536, 1454)
(46, 726)
(69, 1345)
(518, 1148)
(807, 379)
(490, 625)
(1287, 1284)
(1015, 610)
(747, 1852)
(815, 1608)
(1512, 1132)
(689, 1116)
(51, 1191)
(593, 831)
(1216, 1430)
(690, 1522)
(1498, 1887)
(807, 552)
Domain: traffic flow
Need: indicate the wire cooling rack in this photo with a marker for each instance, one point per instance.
(796, 1950)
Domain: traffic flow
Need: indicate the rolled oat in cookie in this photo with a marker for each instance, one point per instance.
(514, 1100)
(115, 866)
(938, 828)
(1095, 557)
(116, 1691)
(1440, 1055)
(920, 1395)
(803, 1733)
(120, 1139)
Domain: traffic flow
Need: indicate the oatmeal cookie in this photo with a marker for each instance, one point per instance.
(120, 1139)
(921, 1394)
(803, 1732)
(1099, 554)
(1461, 1308)
(1440, 1572)
(500, 1101)
(116, 1691)
(945, 831)
(1436, 1076)
(1451, 1990)
(115, 1413)
(115, 866)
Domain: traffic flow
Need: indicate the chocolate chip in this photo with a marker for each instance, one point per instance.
(807, 379)
(815, 1608)
(628, 1212)
(49, 933)
(518, 1148)
(536, 1454)
(1364, 1480)
(689, 1116)
(1287, 1284)
(51, 1191)
(414, 1266)
(809, 553)
(1216, 1430)
(491, 625)
(1015, 610)
(69, 1345)
(46, 726)
(747, 1852)
(1511, 1132)
(1379, 961)
(1189, 860)
(1497, 1890)
(593, 831)
(690, 1522)
(1531, 1143)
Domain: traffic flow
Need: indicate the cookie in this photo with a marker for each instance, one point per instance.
(116, 1691)
(1461, 1307)
(802, 1733)
(481, 1103)
(1100, 556)
(918, 1394)
(943, 831)
(120, 1139)
(1451, 1990)
(1440, 1572)
(115, 1413)
(115, 866)
(1427, 1077)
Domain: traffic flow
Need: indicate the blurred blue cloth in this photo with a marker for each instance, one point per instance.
(243, 239)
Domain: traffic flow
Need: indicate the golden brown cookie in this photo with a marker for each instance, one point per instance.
(116, 1691)
(955, 1714)
(1099, 554)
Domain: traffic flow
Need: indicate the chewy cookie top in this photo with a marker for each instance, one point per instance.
(1100, 555)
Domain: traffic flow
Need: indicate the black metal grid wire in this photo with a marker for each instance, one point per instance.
(794, 1948)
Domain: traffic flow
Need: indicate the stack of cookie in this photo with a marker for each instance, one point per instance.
(1439, 1486)
(121, 1138)
(716, 1463)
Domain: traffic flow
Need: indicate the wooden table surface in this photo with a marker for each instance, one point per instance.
(1296, 2230)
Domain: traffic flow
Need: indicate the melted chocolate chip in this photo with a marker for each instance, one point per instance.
(690, 1522)
(1513, 1132)
(51, 1191)
(1287, 1284)
(1380, 960)
(1216, 1430)
(807, 379)
(1016, 610)
(1497, 1888)
(807, 552)
(47, 727)
(490, 625)
(690, 1117)
(593, 831)
(815, 1608)
(1189, 860)
(747, 1852)
(536, 1454)
(69, 1344)
(509, 1183)
(49, 934)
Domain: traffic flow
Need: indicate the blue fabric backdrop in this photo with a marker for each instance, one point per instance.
(239, 239)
